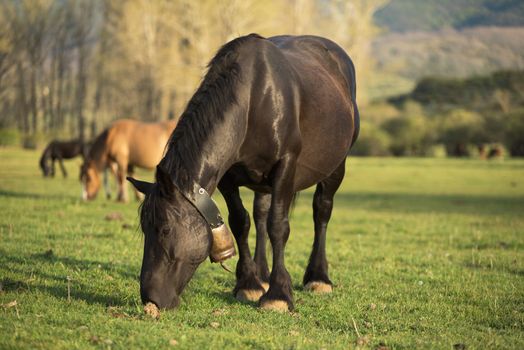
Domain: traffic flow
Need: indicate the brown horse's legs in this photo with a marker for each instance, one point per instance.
(316, 277)
(110, 167)
(248, 286)
(261, 206)
(122, 183)
(279, 296)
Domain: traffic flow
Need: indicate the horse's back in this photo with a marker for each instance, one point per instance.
(139, 143)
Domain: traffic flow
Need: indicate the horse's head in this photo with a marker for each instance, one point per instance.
(44, 163)
(46, 168)
(176, 240)
(90, 181)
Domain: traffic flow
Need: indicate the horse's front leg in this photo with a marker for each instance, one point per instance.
(62, 167)
(248, 286)
(279, 296)
(261, 206)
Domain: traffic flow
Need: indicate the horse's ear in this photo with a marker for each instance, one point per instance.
(141, 186)
(167, 187)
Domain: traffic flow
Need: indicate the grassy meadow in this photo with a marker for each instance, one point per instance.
(424, 253)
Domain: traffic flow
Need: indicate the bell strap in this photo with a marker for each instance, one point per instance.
(206, 206)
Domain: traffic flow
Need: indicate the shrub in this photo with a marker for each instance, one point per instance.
(458, 129)
(34, 141)
(372, 141)
(515, 132)
(411, 133)
(9, 137)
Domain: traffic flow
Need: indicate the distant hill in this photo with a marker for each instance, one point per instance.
(445, 53)
(430, 15)
(481, 93)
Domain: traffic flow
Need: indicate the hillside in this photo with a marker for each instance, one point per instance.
(498, 90)
(430, 15)
(447, 53)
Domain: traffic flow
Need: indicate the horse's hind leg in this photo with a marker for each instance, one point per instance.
(248, 286)
(316, 277)
(122, 183)
(110, 167)
(261, 206)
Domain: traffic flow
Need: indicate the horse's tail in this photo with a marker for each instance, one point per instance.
(352, 87)
(347, 70)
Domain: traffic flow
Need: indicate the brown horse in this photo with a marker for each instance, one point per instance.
(122, 146)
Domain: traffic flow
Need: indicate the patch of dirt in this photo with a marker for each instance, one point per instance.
(219, 312)
(10, 304)
(114, 216)
(127, 226)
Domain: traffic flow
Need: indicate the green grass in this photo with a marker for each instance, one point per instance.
(424, 253)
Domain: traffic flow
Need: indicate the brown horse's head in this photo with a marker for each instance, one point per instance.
(90, 180)
(176, 240)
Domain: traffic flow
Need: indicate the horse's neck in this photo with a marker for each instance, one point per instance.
(99, 159)
(218, 152)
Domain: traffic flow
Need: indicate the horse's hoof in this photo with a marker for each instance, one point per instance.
(246, 295)
(265, 285)
(275, 305)
(318, 287)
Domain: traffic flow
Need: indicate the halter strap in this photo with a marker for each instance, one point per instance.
(205, 205)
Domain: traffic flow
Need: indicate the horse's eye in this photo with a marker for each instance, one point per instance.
(164, 231)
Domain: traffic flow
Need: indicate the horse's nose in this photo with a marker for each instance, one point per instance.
(158, 296)
(84, 194)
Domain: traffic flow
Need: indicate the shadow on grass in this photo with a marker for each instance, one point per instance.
(513, 270)
(47, 196)
(32, 267)
(424, 203)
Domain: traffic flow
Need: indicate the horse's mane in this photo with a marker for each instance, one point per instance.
(206, 108)
(96, 151)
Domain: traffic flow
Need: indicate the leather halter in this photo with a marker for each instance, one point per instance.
(206, 206)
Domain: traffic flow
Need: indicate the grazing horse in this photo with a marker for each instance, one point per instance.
(122, 146)
(60, 150)
(276, 115)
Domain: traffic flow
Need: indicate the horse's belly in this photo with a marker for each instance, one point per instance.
(147, 154)
(310, 172)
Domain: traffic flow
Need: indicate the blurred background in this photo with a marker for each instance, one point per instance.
(435, 77)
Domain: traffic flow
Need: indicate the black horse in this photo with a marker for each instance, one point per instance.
(59, 150)
(276, 115)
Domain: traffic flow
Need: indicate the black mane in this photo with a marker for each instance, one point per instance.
(96, 150)
(206, 108)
